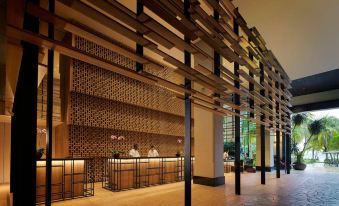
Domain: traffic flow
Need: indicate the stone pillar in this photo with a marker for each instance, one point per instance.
(269, 149)
(208, 148)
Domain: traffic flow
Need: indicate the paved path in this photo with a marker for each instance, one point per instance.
(315, 186)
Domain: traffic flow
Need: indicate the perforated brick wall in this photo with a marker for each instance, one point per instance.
(104, 103)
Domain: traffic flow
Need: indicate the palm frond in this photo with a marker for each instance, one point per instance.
(316, 127)
(299, 119)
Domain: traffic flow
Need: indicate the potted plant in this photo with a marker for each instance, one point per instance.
(312, 129)
(116, 153)
(179, 142)
(40, 150)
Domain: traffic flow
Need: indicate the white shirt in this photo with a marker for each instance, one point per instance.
(134, 153)
(225, 155)
(153, 153)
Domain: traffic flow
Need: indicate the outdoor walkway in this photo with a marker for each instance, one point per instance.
(315, 186)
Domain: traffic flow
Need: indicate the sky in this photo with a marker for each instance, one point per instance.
(322, 113)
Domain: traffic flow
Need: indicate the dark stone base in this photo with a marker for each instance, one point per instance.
(216, 181)
(268, 169)
(299, 166)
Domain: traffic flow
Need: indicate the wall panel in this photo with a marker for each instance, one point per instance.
(103, 103)
(5, 145)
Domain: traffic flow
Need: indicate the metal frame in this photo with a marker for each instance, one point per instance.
(283, 152)
(49, 113)
(87, 181)
(237, 131)
(113, 174)
(188, 117)
(288, 153)
(139, 47)
(277, 133)
(262, 131)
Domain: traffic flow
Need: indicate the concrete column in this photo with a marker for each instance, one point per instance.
(269, 149)
(208, 148)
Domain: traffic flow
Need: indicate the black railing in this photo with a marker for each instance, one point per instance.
(132, 173)
(71, 179)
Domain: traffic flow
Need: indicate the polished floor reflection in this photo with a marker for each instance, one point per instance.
(315, 186)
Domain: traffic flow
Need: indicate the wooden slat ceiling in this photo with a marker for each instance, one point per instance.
(114, 26)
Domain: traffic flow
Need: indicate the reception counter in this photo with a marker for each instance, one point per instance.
(228, 166)
(71, 178)
(131, 173)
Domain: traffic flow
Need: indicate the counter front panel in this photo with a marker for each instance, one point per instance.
(131, 173)
(71, 178)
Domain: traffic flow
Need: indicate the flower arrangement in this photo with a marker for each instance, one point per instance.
(116, 153)
(40, 150)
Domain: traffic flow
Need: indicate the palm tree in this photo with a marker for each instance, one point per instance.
(331, 126)
(299, 119)
(314, 129)
(299, 131)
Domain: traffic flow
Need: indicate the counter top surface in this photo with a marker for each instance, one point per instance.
(145, 157)
(88, 158)
(69, 158)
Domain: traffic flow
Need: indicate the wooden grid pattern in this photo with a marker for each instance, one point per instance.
(99, 51)
(92, 80)
(97, 112)
(42, 100)
(96, 142)
(104, 103)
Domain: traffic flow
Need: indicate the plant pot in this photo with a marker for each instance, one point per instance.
(116, 156)
(38, 155)
(299, 166)
(250, 170)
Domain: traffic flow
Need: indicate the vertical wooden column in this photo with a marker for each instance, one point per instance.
(288, 148)
(288, 153)
(251, 85)
(24, 122)
(277, 137)
(262, 130)
(139, 48)
(251, 101)
(283, 137)
(3, 39)
(188, 116)
(236, 99)
(216, 16)
(49, 114)
(283, 146)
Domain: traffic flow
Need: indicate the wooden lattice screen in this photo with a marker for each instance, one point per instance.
(104, 103)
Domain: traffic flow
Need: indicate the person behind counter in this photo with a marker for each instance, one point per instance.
(226, 155)
(153, 152)
(134, 152)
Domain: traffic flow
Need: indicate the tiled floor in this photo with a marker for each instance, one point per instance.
(316, 186)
